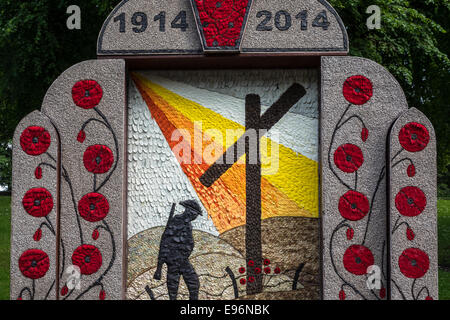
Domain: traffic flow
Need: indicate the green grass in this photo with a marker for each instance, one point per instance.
(444, 232)
(443, 229)
(5, 223)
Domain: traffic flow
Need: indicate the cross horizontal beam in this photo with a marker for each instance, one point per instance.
(274, 114)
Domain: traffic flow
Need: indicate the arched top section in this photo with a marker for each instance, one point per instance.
(155, 27)
(148, 27)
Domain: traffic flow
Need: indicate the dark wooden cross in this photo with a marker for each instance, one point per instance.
(254, 122)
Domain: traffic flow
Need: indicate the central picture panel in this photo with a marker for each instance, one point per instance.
(223, 184)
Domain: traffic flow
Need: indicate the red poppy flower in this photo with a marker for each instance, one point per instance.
(251, 263)
(350, 233)
(241, 270)
(266, 262)
(35, 140)
(348, 158)
(88, 258)
(95, 234)
(267, 270)
(410, 234)
(410, 201)
(242, 281)
(37, 235)
(81, 136)
(364, 134)
(382, 293)
(34, 263)
(257, 270)
(357, 90)
(221, 21)
(342, 295)
(277, 270)
(357, 259)
(87, 94)
(98, 159)
(64, 290)
(38, 202)
(353, 205)
(251, 279)
(102, 295)
(429, 298)
(413, 263)
(414, 137)
(411, 171)
(93, 207)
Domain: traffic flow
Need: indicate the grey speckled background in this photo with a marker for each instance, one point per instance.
(23, 225)
(68, 118)
(425, 224)
(387, 103)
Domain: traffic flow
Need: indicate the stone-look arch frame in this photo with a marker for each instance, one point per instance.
(85, 112)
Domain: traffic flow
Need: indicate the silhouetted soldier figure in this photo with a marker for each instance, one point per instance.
(175, 248)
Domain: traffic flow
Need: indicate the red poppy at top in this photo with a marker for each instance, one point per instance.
(353, 205)
(35, 140)
(413, 263)
(357, 90)
(410, 201)
(88, 258)
(93, 207)
(348, 158)
(38, 202)
(357, 259)
(34, 263)
(222, 21)
(414, 137)
(98, 159)
(87, 94)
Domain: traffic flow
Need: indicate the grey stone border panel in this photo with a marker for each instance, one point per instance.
(413, 208)
(354, 204)
(92, 162)
(101, 51)
(38, 231)
(344, 49)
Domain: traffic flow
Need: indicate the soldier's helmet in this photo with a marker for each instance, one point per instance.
(193, 205)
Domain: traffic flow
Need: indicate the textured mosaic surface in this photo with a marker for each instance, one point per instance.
(172, 110)
(34, 209)
(413, 211)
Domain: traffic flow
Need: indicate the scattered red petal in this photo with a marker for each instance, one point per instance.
(411, 171)
(410, 234)
(64, 290)
(81, 136)
(95, 234)
(37, 235)
(364, 134)
(350, 233)
(38, 173)
(383, 293)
